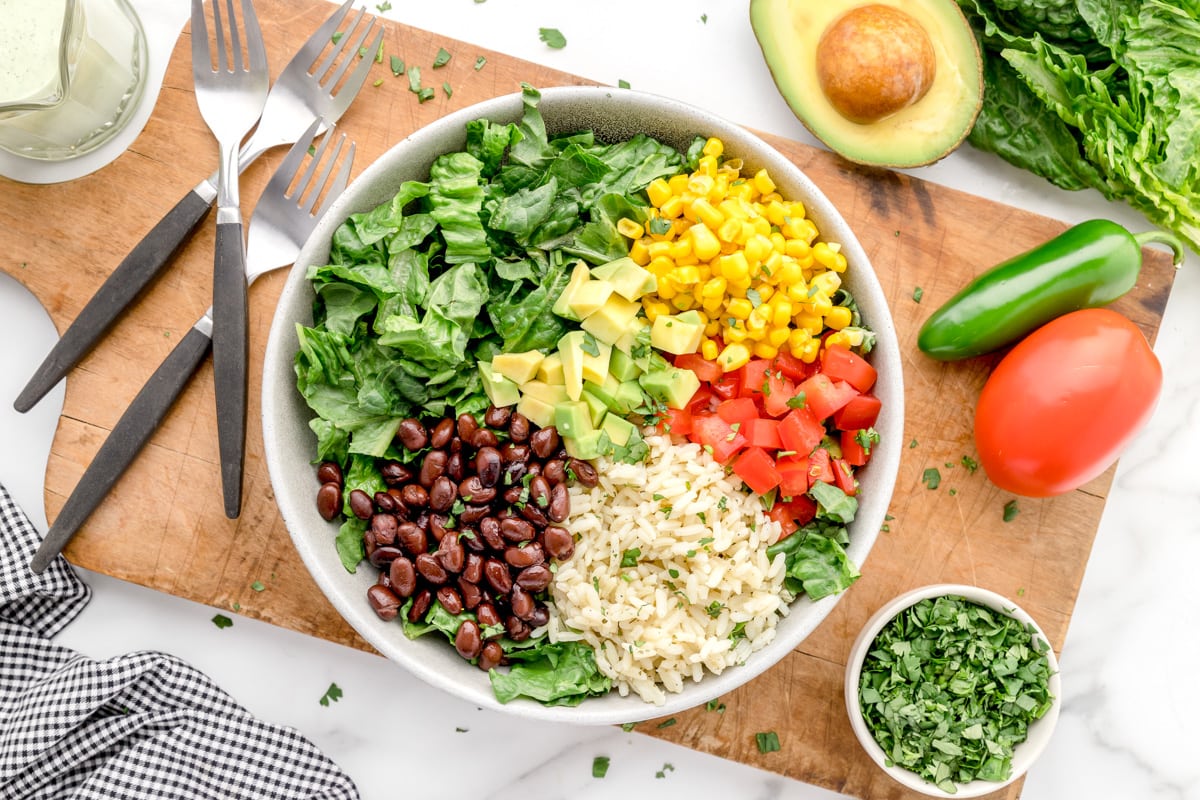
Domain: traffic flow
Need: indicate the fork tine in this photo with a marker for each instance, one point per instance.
(219, 33)
(306, 205)
(235, 40)
(200, 32)
(286, 173)
(340, 180)
(358, 47)
(255, 48)
(324, 35)
(359, 76)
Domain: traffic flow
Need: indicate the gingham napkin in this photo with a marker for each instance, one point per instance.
(142, 725)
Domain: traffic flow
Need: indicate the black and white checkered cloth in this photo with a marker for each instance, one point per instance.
(142, 725)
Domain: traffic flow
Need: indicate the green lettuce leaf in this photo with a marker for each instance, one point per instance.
(558, 674)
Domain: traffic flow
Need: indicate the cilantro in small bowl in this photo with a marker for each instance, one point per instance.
(952, 690)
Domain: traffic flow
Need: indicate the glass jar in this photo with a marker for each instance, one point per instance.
(71, 74)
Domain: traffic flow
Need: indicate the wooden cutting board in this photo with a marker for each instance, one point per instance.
(163, 526)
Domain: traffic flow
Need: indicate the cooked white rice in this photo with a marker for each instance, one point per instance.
(701, 571)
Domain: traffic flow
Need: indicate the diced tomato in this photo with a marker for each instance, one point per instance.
(777, 393)
(843, 477)
(820, 466)
(727, 385)
(852, 450)
(762, 433)
(716, 433)
(800, 431)
(677, 422)
(842, 365)
(802, 508)
(757, 469)
(793, 476)
(753, 375)
(703, 401)
(739, 409)
(860, 412)
(824, 396)
(787, 525)
(707, 371)
(792, 367)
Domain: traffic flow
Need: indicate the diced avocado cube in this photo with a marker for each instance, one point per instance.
(584, 447)
(518, 367)
(573, 418)
(589, 297)
(536, 410)
(629, 340)
(672, 386)
(629, 396)
(606, 391)
(622, 366)
(619, 430)
(551, 370)
(691, 315)
(499, 389)
(609, 322)
(673, 334)
(595, 366)
(579, 276)
(597, 409)
(570, 350)
(546, 392)
(628, 279)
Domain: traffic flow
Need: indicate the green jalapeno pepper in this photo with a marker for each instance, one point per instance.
(1088, 265)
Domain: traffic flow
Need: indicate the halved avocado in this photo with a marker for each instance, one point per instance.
(894, 83)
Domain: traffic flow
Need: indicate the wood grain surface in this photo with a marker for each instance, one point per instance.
(163, 526)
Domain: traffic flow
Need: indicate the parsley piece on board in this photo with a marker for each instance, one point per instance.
(257, 586)
(222, 621)
(622, 84)
(1011, 511)
(767, 741)
(600, 766)
(918, 293)
(479, 62)
(397, 65)
(442, 58)
(552, 37)
(332, 694)
(666, 723)
(931, 478)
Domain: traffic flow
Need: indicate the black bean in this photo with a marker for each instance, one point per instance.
(361, 504)
(534, 578)
(412, 538)
(473, 568)
(384, 601)
(560, 503)
(472, 540)
(527, 556)
(544, 441)
(395, 473)
(382, 556)
(450, 553)
(485, 438)
(450, 600)
(472, 595)
(473, 513)
(467, 425)
(329, 500)
(497, 575)
(517, 530)
(422, 600)
(412, 434)
(384, 528)
(414, 496)
(454, 467)
(467, 640)
(440, 437)
(514, 453)
(514, 472)
(490, 656)
(584, 472)
(487, 465)
(489, 529)
(559, 542)
(442, 494)
(540, 616)
(403, 576)
(430, 569)
(555, 471)
(539, 491)
(487, 615)
(518, 631)
(521, 603)
(329, 472)
(432, 466)
(497, 417)
(473, 491)
(535, 515)
(518, 427)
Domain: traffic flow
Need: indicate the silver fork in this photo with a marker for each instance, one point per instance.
(300, 94)
(281, 223)
(231, 98)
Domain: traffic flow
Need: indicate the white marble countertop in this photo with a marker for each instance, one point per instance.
(1131, 718)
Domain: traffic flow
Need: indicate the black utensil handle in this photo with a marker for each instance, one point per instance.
(130, 277)
(130, 434)
(230, 358)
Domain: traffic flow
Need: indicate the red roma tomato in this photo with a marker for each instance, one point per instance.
(1060, 407)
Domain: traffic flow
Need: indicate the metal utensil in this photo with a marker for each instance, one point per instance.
(278, 228)
(301, 93)
(231, 98)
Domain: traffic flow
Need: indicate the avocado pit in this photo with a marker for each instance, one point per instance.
(873, 61)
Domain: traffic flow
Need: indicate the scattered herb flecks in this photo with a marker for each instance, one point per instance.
(600, 766)
(257, 586)
(622, 84)
(667, 767)
(332, 694)
(970, 464)
(1011, 511)
(552, 37)
(666, 723)
(715, 705)
(222, 621)
(397, 65)
(628, 726)
(442, 58)
(951, 726)
(479, 62)
(768, 741)
(931, 478)
(918, 293)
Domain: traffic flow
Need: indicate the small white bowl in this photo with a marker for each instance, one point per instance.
(1024, 754)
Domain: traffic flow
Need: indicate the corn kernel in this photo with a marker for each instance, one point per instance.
(733, 357)
(685, 276)
(758, 247)
(839, 317)
(734, 335)
(630, 229)
(739, 308)
(684, 301)
(672, 207)
(825, 255)
(706, 166)
(808, 322)
(779, 336)
(639, 252)
(838, 339)
(712, 305)
(715, 287)
(827, 282)
(796, 210)
(704, 244)
(705, 212)
(680, 248)
(713, 328)
(713, 147)
(733, 209)
(699, 185)
(797, 248)
(678, 184)
(772, 197)
(708, 349)
(765, 291)
(655, 309)
(756, 334)
(661, 266)
(765, 350)
(796, 339)
(659, 192)
(763, 182)
(741, 190)
(734, 267)
(730, 230)
(781, 313)
(809, 351)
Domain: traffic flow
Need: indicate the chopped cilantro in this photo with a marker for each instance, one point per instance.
(384, 6)
(666, 723)
(590, 345)
(337, 36)
(660, 226)
(715, 705)
(1011, 511)
(425, 94)
(622, 84)
(970, 464)
(722, 503)
(630, 557)
(714, 608)
(442, 58)
(222, 621)
(479, 62)
(767, 741)
(600, 766)
(667, 767)
(414, 79)
(918, 293)
(332, 694)
(628, 726)
(704, 18)
(447, 89)
(798, 401)
(397, 65)
(552, 37)
(931, 478)
(912, 444)
(378, 82)
(754, 297)
(257, 586)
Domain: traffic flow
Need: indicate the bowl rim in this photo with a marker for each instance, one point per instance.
(281, 349)
(1024, 754)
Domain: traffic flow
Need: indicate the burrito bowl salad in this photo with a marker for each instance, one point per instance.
(592, 411)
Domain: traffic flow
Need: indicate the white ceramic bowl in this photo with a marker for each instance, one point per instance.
(290, 446)
(1024, 754)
